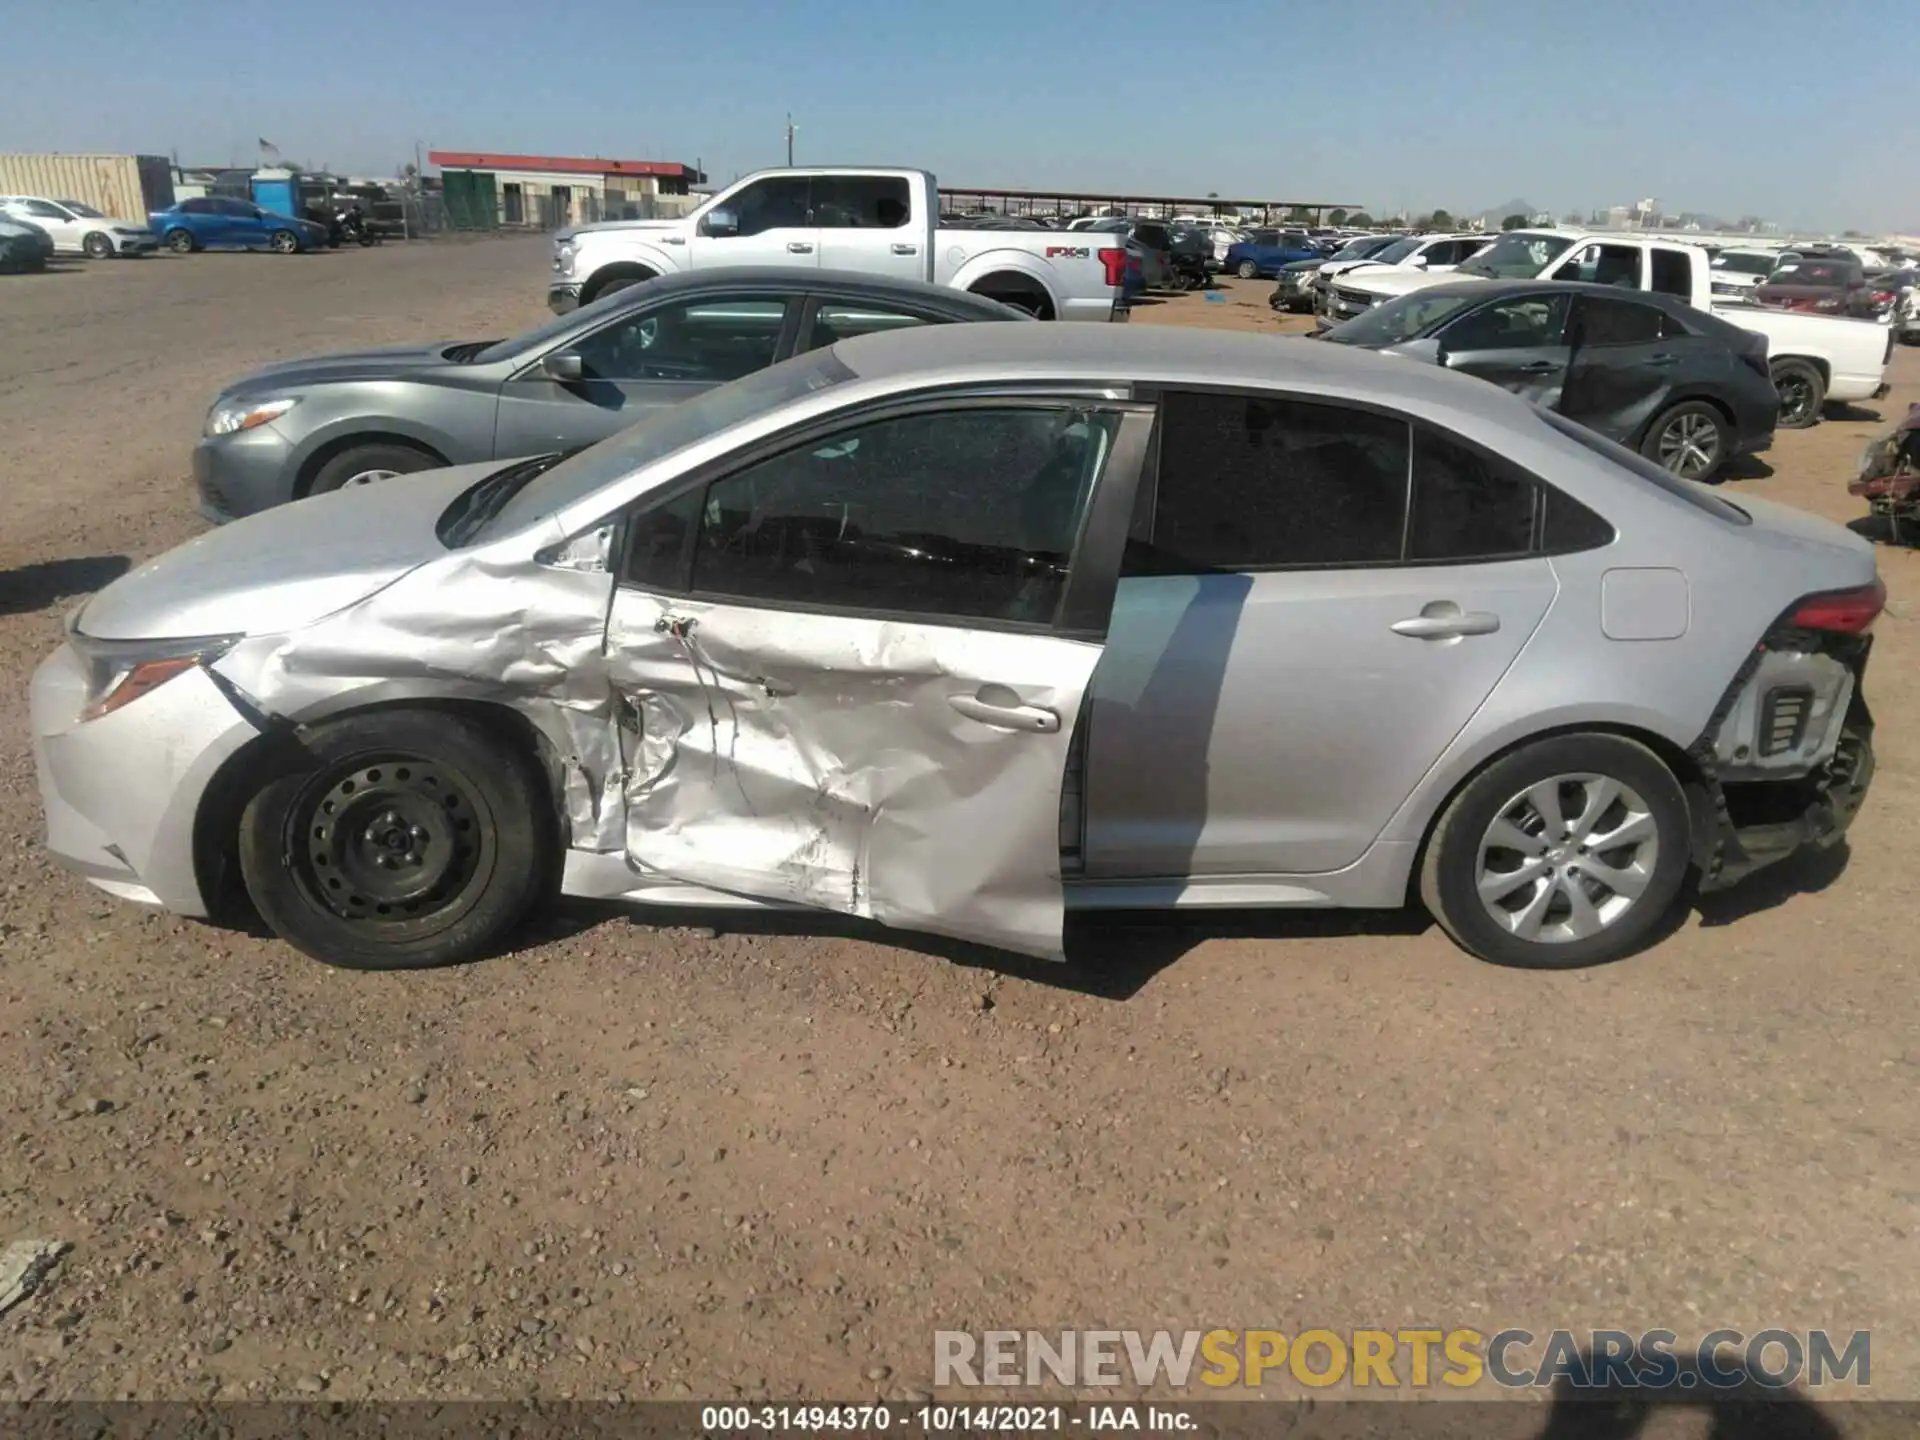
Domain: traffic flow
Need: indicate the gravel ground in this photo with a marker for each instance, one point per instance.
(771, 1161)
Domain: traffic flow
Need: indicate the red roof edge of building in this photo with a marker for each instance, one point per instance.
(560, 164)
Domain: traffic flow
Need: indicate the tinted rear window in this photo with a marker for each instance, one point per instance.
(1699, 496)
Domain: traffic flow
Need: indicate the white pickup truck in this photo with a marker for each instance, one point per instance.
(1814, 358)
(878, 222)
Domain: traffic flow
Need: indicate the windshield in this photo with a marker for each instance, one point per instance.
(545, 334)
(1397, 251)
(660, 434)
(1517, 255)
(1810, 272)
(1361, 248)
(87, 210)
(1407, 318)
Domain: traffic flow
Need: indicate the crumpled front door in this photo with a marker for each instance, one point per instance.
(816, 751)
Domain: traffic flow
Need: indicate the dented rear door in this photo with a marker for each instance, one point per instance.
(852, 662)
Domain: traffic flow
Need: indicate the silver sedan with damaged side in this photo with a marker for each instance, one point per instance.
(956, 630)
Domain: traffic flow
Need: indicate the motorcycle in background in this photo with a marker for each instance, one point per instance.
(1889, 478)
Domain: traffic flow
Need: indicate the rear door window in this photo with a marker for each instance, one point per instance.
(1618, 322)
(1251, 483)
(1672, 273)
(860, 202)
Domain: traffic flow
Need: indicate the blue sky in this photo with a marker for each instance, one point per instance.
(1799, 112)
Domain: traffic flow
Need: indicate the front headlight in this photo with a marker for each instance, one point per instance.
(563, 254)
(121, 671)
(228, 416)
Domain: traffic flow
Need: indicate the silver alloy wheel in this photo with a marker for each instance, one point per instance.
(1690, 445)
(367, 477)
(1567, 857)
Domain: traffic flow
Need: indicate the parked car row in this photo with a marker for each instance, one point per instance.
(205, 223)
(1813, 358)
(77, 229)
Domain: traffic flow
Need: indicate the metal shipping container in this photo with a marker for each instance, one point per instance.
(127, 187)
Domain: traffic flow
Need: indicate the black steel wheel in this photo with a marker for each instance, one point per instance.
(413, 839)
(1802, 393)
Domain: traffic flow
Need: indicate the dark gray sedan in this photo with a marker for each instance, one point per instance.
(311, 426)
(1648, 371)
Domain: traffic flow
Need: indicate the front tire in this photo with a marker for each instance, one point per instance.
(97, 247)
(1690, 440)
(1248, 270)
(412, 839)
(283, 242)
(1569, 852)
(181, 242)
(369, 465)
(1802, 393)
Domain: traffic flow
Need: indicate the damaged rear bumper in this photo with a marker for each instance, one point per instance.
(1832, 800)
(1787, 761)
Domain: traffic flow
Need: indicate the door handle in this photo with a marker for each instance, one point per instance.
(906, 249)
(1540, 367)
(1449, 623)
(1662, 360)
(799, 247)
(1031, 718)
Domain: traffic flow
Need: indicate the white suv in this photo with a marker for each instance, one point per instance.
(80, 229)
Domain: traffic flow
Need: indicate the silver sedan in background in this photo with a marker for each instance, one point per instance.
(309, 427)
(957, 630)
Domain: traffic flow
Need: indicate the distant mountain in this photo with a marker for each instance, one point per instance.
(1493, 217)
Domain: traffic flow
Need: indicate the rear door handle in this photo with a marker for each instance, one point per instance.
(799, 247)
(906, 249)
(1031, 718)
(1540, 367)
(1448, 624)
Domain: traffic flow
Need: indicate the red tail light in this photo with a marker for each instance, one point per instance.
(1116, 263)
(1846, 612)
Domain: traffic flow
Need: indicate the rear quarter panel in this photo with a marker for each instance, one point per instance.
(1738, 579)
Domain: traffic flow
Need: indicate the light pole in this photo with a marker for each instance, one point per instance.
(791, 127)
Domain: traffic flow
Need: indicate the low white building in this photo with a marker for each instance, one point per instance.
(553, 190)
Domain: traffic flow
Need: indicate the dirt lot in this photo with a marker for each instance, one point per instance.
(664, 1161)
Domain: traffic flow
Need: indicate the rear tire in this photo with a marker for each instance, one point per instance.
(1691, 440)
(1802, 393)
(1519, 882)
(181, 242)
(369, 464)
(412, 839)
(97, 247)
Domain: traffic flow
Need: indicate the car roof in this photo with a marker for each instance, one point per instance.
(773, 280)
(1118, 354)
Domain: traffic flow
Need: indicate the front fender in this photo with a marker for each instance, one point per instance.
(458, 449)
(1009, 261)
(608, 253)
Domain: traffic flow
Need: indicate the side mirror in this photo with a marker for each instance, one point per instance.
(564, 367)
(720, 223)
(1428, 349)
(1418, 262)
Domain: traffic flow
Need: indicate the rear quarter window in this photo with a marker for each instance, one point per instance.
(1698, 496)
